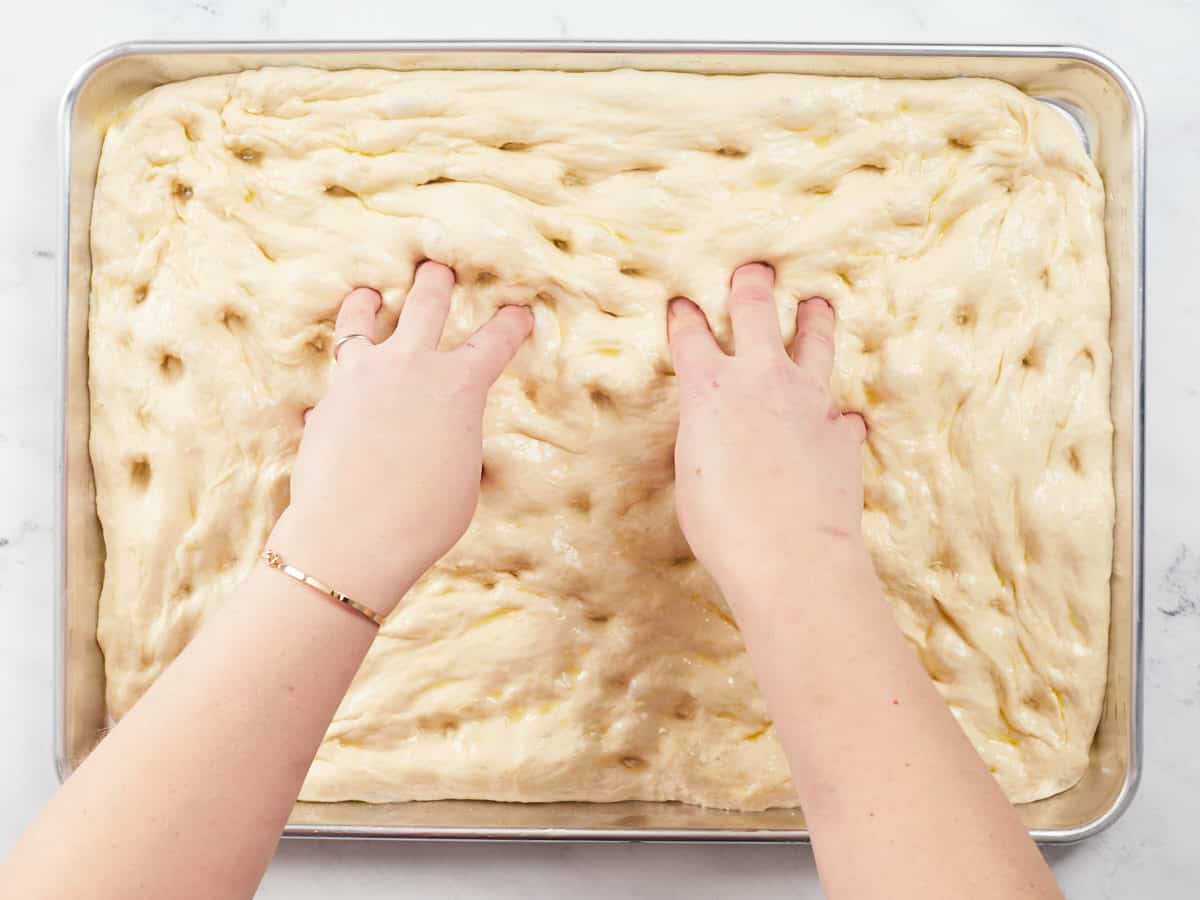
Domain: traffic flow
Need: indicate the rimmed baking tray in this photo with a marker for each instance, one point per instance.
(1082, 83)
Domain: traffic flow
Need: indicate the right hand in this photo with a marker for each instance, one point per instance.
(768, 471)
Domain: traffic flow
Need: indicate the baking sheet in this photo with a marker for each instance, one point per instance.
(1081, 83)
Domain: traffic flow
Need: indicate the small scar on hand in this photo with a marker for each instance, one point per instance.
(895, 702)
(716, 383)
(833, 532)
(698, 470)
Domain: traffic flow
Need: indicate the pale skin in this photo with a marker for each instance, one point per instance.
(769, 495)
(187, 796)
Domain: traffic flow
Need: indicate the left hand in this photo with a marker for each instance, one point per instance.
(387, 477)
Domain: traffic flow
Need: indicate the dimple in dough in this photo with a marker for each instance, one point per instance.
(569, 647)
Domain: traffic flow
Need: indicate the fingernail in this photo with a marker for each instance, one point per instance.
(675, 304)
(828, 305)
(375, 294)
(758, 262)
(425, 260)
(524, 307)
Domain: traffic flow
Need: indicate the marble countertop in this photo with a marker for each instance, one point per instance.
(1148, 853)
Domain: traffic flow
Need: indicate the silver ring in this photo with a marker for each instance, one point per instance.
(337, 345)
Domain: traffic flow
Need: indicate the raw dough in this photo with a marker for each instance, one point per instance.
(570, 647)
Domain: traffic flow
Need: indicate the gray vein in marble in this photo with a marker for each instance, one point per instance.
(24, 530)
(1182, 581)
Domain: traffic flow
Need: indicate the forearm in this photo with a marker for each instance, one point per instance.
(188, 794)
(233, 725)
(885, 776)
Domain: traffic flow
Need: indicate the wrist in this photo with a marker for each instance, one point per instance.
(378, 580)
(797, 575)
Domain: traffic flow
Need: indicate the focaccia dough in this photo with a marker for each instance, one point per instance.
(570, 647)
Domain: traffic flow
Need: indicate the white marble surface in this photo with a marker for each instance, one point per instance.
(1151, 852)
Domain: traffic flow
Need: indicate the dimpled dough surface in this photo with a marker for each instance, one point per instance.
(569, 647)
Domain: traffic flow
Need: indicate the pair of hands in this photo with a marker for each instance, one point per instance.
(768, 470)
(768, 480)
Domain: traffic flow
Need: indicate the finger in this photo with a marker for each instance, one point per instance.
(752, 309)
(497, 341)
(855, 424)
(694, 350)
(423, 315)
(356, 316)
(813, 347)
